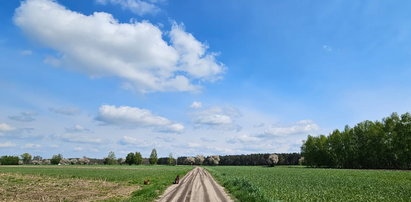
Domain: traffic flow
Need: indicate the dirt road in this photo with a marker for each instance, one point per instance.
(197, 186)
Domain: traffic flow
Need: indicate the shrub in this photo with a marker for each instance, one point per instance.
(56, 159)
(213, 160)
(272, 159)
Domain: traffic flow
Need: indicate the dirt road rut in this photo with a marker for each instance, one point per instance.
(197, 186)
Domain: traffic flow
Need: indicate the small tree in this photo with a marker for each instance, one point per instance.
(272, 159)
(110, 159)
(138, 158)
(301, 161)
(171, 160)
(199, 160)
(26, 157)
(130, 158)
(153, 157)
(213, 160)
(56, 159)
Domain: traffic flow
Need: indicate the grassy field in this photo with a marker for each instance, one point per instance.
(160, 176)
(308, 184)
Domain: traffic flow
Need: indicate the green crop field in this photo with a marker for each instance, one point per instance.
(160, 176)
(252, 183)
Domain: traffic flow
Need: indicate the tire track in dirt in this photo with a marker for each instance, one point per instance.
(197, 186)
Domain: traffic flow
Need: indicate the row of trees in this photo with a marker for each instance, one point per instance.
(250, 159)
(131, 158)
(382, 144)
(137, 159)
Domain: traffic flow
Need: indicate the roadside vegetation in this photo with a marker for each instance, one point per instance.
(284, 183)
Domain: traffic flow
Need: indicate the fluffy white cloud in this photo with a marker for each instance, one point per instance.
(138, 7)
(4, 127)
(80, 138)
(301, 127)
(136, 117)
(99, 45)
(7, 144)
(216, 117)
(196, 105)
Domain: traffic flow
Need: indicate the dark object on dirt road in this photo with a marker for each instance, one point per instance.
(177, 180)
(146, 181)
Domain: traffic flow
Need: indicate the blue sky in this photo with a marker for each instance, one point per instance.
(83, 78)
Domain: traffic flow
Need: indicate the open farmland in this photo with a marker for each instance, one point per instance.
(86, 182)
(252, 183)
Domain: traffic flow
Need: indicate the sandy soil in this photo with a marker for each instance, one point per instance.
(198, 185)
(17, 187)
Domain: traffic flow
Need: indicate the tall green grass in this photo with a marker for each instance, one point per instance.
(160, 176)
(248, 183)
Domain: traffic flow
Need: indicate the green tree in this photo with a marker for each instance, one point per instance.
(26, 157)
(9, 160)
(56, 159)
(153, 157)
(110, 159)
(130, 158)
(138, 158)
(170, 160)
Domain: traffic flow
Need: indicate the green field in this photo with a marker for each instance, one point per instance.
(160, 176)
(308, 184)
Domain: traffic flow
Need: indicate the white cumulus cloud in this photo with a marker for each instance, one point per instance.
(196, 105)
(216, 117)
(99, 45)
(136, 117)
(138, 7)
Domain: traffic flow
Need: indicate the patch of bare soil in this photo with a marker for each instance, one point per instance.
(17, 187)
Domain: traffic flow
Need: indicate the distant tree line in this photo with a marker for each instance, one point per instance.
(135, 158)
(382, 144)
(243, 160)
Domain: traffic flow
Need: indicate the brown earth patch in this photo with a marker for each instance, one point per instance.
(17, 187)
